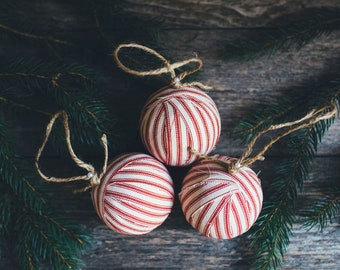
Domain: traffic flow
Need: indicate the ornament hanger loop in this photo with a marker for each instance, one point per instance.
(92, 176)
(327, 111)
(167, 68)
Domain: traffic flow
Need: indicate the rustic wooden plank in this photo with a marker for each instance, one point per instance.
(175, 245)
(238, 89)
(219, 13)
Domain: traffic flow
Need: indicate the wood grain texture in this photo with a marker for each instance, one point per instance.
(175, 245)
(238, 89)
(203, 28)
(220, 13)
(241, 88)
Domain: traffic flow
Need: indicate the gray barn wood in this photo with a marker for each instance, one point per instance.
(238, 89)
(202, 28)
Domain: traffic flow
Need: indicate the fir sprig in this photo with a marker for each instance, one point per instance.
(71, 87)
(324, 211)
(44, 240)
(35, 234)
(274, 228)
(14, 175)
(6, 205)
(297, 32)
(271, 233)
(30, 231)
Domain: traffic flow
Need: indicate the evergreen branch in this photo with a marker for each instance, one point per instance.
(270, 233)
(21, 74)
(27, 261)
(85, 115)
(53, 79)
(41, 243)
(323, 212)
(34, 235)
(41, 237)
(273, 229)
(84, 77)
(81, 104)
(297, 101)
(6, 210)
(71, 87)
(296, 33)
(259, 121)
(35, 75)
(23, 106)
(277, 222)
(20, 183)
(85, 110)
(45, 69)
(32, 36)
(54, 252)
(6, 203)
(15, 177)
(67, 231)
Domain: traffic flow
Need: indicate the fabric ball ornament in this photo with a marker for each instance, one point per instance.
(173, 120)
(220, 204)
(135, 194)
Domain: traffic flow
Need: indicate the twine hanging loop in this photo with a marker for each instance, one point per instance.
(322, 113)
(167, 68)
(92, 176)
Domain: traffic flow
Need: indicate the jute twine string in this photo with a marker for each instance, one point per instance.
(92, 176)
(325, 112)
(167, 68)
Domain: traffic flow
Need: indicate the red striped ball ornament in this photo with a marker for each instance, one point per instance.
(173, 120)
(135, 194)
(220, 204)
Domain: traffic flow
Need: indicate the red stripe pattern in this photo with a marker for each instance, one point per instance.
(174, 119)
(219, 204)
(135, 194)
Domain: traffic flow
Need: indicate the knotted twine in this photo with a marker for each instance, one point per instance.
(322, 113)
(92, 176)
(167, 68)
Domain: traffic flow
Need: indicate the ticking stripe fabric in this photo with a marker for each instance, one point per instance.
(174, 119)
(219, 204)
(135, 194)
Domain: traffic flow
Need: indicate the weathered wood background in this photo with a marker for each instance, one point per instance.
(203, 27)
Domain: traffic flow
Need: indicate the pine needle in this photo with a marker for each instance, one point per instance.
(323, 211)
(297, 32)
(271, 233)
(32, 88)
